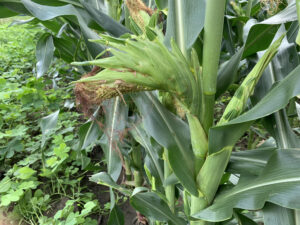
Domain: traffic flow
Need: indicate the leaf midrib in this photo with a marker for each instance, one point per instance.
(150, 152)
(157, 210)
(173, 133)
(116, 103)
(264, 184)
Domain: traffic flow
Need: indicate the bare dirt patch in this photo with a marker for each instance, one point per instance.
(7, 219)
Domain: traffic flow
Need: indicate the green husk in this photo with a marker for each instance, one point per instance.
(138, 64)
(238, 102)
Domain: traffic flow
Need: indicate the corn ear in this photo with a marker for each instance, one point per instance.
(238, 102)
(145, 65)
(198, 139)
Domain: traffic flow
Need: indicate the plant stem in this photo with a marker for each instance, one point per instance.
(249, 7)
(298, 14)
(180, 40)
(197, 204)
(170, 189)
(138, 178)
(282, 139)
(137, 161)
(213, 32)
(127, 169)
(113, 9)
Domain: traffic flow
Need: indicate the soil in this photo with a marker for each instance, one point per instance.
(7, 219)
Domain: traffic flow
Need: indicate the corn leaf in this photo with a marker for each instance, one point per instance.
(191, 13)
(279, 183)
(105, 179)
(276, 99)
(43, 12)
(115, 120)
(246, 89)
(173, 134)
(276, 215)
(266, 30)
(249, 162)
(227, 72)
(141, 137)
(152, 206)
(44, 54)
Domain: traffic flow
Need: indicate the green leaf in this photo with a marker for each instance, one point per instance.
(65, 48)
(238, 102)
(88, 207)
(116, 113)
(161, 4)
(260, 35)
(279, 183)
(28, 185)
(12, 196)
(88, 134)
(282, 64)
(51, 161)
(105, 179)
(254, 42)
(47, 124)
(141, 137)
(173, 134)
(276, 215)
(116, 216)
(43, 12)
(153, 207)
(170, 180)
(5, 184)
(276, 99)
(107, 23)
(249, 162)
(191, 13)
(15, 6)
(227, 72)
(61, 151)
(44, 54)
(242, 219)
(24, 173)
(5, 12)
(71, 219)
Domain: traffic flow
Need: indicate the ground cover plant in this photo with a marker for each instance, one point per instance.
(173, 89)
(42, 168)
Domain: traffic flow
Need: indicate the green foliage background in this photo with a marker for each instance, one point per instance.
(36, 187)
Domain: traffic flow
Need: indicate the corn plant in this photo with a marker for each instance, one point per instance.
(167, 67)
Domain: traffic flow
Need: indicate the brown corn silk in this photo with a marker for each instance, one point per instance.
(135, 6)
(89, 94)
(271, 5)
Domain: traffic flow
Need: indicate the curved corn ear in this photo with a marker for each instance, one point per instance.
(238, 102)
(198, 139)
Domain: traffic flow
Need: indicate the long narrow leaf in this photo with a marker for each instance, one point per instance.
(185, 21)
(140, 136)
(275, 100)
(172, 133)
(115, 118)
(279, 183)
(44, 54)
(43, 13)
(152, 206)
